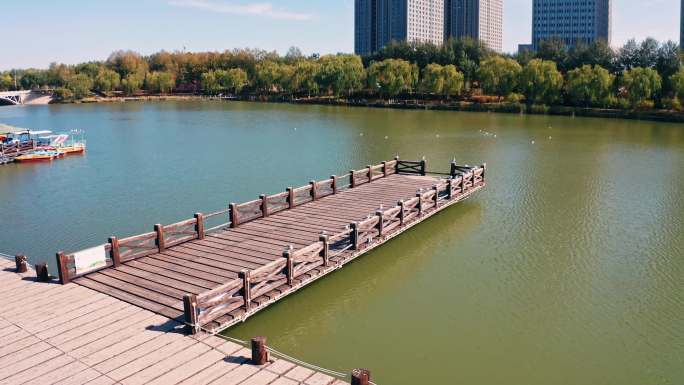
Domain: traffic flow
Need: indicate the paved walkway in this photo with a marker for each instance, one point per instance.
(54, 334)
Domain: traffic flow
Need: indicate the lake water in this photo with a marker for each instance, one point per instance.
(567, 269)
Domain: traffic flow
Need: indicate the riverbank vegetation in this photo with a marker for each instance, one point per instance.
(638, 76)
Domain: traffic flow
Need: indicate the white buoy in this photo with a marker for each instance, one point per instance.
(533, 142)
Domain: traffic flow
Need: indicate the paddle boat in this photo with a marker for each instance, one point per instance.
(38, 156)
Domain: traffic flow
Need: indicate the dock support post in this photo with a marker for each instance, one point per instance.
(370, 173)
(62, 268)
(355, 235)
(199, 226)
(326, 248)
(233, 215)
(290, 197)
(352, 180)
(360, 377)
(264, 205)
(190, 307)
(313, 190)
(246, 288)
(334, 184)
(259, 352)
(114, 252)
(423, 166)
(287, 254)
(42, 274)
(21, 262)
(384, 168)
(161, 243)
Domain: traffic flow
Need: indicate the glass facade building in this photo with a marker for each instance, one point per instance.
(479, 19)
(571, 21)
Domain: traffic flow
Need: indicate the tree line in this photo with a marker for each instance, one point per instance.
(643, 74)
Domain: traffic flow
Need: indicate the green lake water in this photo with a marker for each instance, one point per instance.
(567, 269)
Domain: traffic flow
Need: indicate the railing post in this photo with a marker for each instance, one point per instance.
(360, 377)
(401, 212)
(313, 190)
(419, 194)
(453, 168)
(463, 184)
(450, 184)
(234, 220)
(264, 205)
(190, 307)
(370, 173)
(287, 254)
(246, 288)
(355, 235)
(384, 168)
(326, 248)
(396, 164)
(380, 224)
(259, 351)
(161, 243)
(114, 252)
(42, 274)
(21, 262)
(62, 268)
(484, 170)
(334, 184)
(199, 225)
(436, 198)
(352, 180)
(423, 166)
(290, 197)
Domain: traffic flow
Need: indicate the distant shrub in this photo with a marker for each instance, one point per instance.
(539, 109)
(514, 97)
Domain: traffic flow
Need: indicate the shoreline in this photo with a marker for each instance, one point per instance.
(415, 104)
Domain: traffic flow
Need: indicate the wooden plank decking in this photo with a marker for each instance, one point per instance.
(70, 335)
(212, 280)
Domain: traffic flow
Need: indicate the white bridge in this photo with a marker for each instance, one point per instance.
(25, 97)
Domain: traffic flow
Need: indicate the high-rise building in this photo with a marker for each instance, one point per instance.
(479, 19)
(571, 21)
(377, 22)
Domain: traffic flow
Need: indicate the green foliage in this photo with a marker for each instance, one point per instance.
(267, 76)
(160, 82)
(80, 85)
(107, 80)
(454, 81)
(340, 73)
(58, 75)
(677, 84)
(390, 77)
(514, 98)
(209, 83)
(641, 84)
(63, 94)
(541, 82)
(6, 82)
(432, 80)
(131, 84)
(499, 75)
(304, 75)
(234, 79)
(589, 86)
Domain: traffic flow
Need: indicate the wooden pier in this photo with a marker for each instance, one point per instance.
(268, 248)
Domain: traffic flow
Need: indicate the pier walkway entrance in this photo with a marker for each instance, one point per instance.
(213, 278)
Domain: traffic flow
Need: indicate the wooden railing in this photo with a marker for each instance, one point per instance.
(209, 306)
(118, 251)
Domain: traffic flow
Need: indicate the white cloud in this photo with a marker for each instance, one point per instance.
(256, 9)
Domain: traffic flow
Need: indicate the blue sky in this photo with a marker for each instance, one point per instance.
(41, 31)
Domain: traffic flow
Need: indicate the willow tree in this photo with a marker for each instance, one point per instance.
(589, 86)
(541, 82)
(499, 75)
